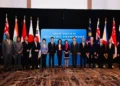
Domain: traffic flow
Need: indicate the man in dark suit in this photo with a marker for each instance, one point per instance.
(118, 53)
(26, 50)
(82, 50)
(74, 50)
(91, 52)
(51, 51)
(110, 53)
(1, 54)
(7, 50)
(100, 53)
(35, 50)
(18, 48)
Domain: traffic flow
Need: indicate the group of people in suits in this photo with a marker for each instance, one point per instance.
(20, 52)
(89, 52)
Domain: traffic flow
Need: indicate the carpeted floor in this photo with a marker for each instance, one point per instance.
(61, 77)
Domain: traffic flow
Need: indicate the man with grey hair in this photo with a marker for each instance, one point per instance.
(7, 50)
(100, 53)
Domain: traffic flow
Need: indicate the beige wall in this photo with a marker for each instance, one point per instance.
(59, 4)
(106, 4)
(13, 3)
(62, 4)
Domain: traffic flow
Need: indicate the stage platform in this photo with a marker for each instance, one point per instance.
(61, 77)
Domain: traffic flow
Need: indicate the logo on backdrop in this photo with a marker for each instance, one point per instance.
(63, 34)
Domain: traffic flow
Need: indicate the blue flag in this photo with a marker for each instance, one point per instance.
(89, 31)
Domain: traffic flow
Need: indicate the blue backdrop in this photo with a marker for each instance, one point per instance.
(63, 34)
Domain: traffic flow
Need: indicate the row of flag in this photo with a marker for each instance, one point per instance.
(37, 34)
(24, 30)
(105, 34)
(31, 35)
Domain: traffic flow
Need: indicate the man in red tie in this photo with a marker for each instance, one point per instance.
(91, 52)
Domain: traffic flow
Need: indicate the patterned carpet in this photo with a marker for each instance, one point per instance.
(61, 77)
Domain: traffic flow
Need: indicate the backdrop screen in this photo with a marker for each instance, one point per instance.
(63, 34)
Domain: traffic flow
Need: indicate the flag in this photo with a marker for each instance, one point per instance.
(6, 29)
(38, 36)
(98, 31)
(24, 31)
(37, 31)
(89, 31)
(105, 35)
(119, 35)
(30, 36)
(15, 30)
(113, 37)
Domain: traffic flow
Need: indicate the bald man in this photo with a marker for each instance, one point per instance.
(7, 50)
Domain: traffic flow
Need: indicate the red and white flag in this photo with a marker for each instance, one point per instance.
(37, 31)
(15, 30)
(31, 35)
(113, 37)
(24, 31)
(6, 29)
(38, 36)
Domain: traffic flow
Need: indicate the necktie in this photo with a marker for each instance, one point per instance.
(91, 44)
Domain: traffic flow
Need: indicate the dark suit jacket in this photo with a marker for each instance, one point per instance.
(35, 48)
(51, 48)
(0, 50)
(91, 48)
(118, 49)
(110, 51)
(82, 49)
(74, 49)
(100, 49)
(25, 48)
(7, 48)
